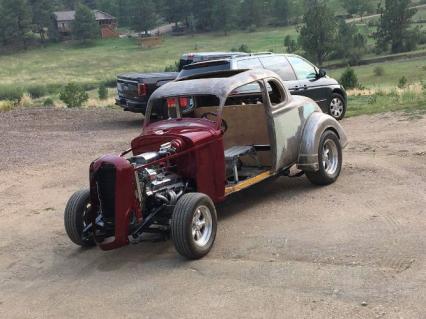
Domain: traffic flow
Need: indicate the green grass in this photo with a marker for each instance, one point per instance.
(61, 63)
(376, 103)
(414, 70)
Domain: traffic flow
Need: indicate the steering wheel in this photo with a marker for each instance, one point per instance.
(223, 125)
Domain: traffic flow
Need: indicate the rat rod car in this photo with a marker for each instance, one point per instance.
(203, 139)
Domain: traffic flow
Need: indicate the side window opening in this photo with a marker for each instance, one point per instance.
(246, 94)
(275, 92)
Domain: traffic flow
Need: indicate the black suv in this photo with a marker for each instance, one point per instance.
(300, 76)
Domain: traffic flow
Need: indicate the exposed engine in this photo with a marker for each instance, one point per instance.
(157, 182)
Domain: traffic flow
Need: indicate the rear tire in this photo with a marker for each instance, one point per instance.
(337, 106)
(329, 159)
(75, 218)
(194, 225)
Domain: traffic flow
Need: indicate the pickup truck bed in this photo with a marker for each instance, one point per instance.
(134, 89)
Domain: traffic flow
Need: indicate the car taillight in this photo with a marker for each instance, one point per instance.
(142, 89)
(171, 102)
(183, 102)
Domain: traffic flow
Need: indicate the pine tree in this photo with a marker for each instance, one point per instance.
(224, 13)
(85, 26)
(143, 15)
(15, 21)
(280, 10)
(358, 6)
(202, 11)
(252, 13)
(318, 33)
(69, 4)
(89, 3)
(41, 16)
(394, 24)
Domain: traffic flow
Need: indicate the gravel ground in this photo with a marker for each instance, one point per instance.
(284, 249)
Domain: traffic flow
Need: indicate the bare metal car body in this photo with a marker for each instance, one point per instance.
(295, 125)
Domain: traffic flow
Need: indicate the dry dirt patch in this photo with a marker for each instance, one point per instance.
(355, 249)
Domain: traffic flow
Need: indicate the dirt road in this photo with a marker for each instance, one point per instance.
(285, 249)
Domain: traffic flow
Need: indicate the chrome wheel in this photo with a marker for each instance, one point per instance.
(336, 107)
(330, 157)
(202, 226)
(194, 225)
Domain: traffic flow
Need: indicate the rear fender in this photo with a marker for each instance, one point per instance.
(315, 126)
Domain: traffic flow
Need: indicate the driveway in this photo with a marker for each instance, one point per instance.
(284, 249)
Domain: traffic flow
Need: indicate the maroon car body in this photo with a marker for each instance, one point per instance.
(199, 157)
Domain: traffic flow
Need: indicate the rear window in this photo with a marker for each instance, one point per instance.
(192, 70)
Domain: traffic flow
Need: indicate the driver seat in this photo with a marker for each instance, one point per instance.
(233, 154)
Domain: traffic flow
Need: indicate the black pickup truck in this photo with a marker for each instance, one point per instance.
(134, 89)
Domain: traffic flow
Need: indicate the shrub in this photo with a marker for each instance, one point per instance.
(103, 92)
(73, 95)
(48, 102)
(37, 91)
(110, 83)
(290, 44)
(11, 93)
(372, 99)
(379, 71)
(402, 83)
(349, 79)
(244, 48)
(172, 67)
(6, 106)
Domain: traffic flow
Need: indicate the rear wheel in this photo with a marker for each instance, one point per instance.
(329, 158)
(77, 218)
(194, 225)
(337, 106)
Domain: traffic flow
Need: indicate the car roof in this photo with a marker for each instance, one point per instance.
(221, 85)
(214, 53)
(233, 58)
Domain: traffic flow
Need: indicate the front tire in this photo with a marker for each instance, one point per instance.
(329, 158)
(76, 218)
(337, 106)
(194, 225)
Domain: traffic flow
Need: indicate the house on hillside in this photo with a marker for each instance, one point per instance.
(107, 23)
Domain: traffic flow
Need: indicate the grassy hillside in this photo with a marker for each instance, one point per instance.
(59, 63)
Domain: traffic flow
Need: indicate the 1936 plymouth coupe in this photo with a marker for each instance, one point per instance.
(203, 139)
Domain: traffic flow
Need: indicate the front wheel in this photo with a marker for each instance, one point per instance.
(329, 158)
(76, 218)
(194, 225)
